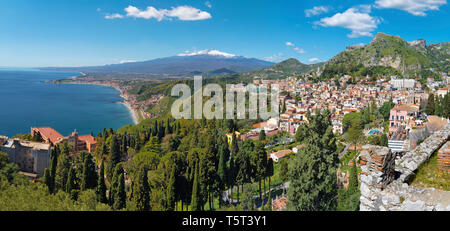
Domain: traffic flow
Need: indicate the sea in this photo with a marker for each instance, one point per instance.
(27, 101)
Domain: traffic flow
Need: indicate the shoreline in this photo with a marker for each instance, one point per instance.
(133, 112)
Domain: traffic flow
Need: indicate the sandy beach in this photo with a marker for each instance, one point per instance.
(133, 113)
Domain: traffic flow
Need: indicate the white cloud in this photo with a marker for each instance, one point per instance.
(127, 61)
(415, 7)
(296, 49)
(187, 13)
(274, 58)
(208, 4)
(289, 44)
(184, 13)
(314, 60)
(356, 19)
(149, 13)
(207, 52)
(299, 50)
(113, 16)
(316, 11)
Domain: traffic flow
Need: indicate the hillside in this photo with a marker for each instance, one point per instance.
(391, 55)
(289, 67)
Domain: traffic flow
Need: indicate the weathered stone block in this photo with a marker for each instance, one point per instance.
(413, 206)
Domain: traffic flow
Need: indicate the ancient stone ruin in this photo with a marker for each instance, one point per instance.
(384, 180)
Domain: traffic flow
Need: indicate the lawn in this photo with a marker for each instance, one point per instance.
(427, 176)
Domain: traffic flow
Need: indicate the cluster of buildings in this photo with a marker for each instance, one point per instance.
(342, 97)
(34, 157)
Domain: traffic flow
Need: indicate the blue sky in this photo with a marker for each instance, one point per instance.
(97, 32)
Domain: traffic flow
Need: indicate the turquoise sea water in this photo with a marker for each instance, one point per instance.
(25, 102)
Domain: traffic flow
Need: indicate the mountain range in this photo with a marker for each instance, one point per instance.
(201, 63)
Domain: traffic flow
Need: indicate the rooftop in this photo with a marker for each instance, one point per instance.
(88, 139)
(50, 133)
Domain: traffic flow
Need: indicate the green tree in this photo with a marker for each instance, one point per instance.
(171, 190)
(269, 173)
(47, 179)
(312, 172)
(114, 191)
(89, 180)
(114, 156)
(355, 133)
(384, 140)
(222, 171)
(429, 109)
(195, 201)
(301, 133)
(62, 170)
(259, 164)
(262, 135)
(52, 169)
(71, 185)
(385, 109)
(101, 185)
(348, 199)
(247, 197)
(284, 170)
(121, 196)
(141, 189)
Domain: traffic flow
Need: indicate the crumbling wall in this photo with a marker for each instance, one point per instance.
(382, 192)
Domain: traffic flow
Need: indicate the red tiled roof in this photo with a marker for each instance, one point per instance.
(282, 153)
(49, 133)
(88, 139)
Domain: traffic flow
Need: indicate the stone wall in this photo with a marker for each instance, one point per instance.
(443, 159)
(381, 191)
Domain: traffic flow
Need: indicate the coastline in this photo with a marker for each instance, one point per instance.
(133, 112)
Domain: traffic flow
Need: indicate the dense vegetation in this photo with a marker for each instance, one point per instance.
(389, 55)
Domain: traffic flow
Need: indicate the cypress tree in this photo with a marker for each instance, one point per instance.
(114, 152)
(222, 169)
(262, 135)
(353, 181)
(195, 203)
(114, 157)
(269, 173)
(62, 171)
(141, 191)
(171, 190)
(52, 170)
(121, 196)
(89, 180)
(101, 186)
(71, 184)
(118, 170)
(429, 109)
(259, 164)
(124, 148)
(284, 175)
(47, 179)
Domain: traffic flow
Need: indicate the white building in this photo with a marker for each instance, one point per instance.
(402, 83)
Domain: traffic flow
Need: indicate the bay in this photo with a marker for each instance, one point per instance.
(26, 101)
